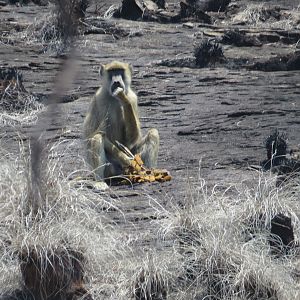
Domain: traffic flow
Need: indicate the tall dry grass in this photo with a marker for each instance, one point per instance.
(223, 240)
(214, 246)
(70, 218)
(259, 15)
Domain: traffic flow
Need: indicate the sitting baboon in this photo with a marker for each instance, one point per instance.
(111, 119)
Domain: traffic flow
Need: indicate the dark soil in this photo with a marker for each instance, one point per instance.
(214, 119)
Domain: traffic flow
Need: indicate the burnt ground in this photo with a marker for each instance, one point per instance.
(212, 121)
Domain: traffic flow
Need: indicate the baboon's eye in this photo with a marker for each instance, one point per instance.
(116, 73)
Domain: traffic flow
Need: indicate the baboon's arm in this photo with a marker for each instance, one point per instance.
(132, 130)
(116, 153)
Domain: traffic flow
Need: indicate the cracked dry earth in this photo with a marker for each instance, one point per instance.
(212, 121)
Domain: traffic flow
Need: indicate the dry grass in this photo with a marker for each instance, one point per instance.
(46, 33)
(56, 30)
(72, 219)
(26, 115)
(259, 16)
(17, 106)
(224, 243)
(216, 246)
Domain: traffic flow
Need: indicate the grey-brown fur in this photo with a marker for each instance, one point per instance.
(110, 119)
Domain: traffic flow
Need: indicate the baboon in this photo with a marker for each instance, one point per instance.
(111, 120)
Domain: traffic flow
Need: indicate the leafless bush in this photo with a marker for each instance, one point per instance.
(17, 104)
(49, 246)
(208, 53)
(224, 243)
(150, 285)
(57, 30)
(262, 15)
(52, 273)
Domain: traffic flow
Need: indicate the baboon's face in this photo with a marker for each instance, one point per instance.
(116, 76)
(116, 80)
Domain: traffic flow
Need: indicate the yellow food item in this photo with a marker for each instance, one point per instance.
(137, 173)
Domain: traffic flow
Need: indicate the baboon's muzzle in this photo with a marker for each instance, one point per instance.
(115, 85)
(116, 82)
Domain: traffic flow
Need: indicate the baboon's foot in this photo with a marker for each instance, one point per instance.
(100, 186)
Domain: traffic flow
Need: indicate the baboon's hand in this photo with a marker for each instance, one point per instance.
(117, 92)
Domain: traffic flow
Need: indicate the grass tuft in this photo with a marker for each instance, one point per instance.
(17, 104)
(214, 245)
(51, 246)
(207, 53)
(264, 16)
(56, 30)
(224, 243)
(150, 284)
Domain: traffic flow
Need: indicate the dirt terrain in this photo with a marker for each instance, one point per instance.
(214, 115)
(212, 121)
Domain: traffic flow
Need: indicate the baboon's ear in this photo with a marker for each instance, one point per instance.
(101, 71)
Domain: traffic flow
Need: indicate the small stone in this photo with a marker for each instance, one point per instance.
(282, 234)
(188, 25)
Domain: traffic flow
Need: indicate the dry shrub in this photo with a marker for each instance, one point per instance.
(223, 239)
(150, 286)
(17, 104)
(278, 160)
(72, 224)
(255, 14)
(218, 242)
(47, 33)
(263, 15)
(52, 273)
(208, 53)
(57, 29)
(150, 280)
(276, 147)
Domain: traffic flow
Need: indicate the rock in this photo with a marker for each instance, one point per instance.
(295, 153)
(145, 10)
(160, 3)
(188, 25)
(239, 39)
(212, 5)
(289, 62)
(282, 234)
(269, 37)
(293, 62)
(189, 10)
(150, 5)
(130, 9)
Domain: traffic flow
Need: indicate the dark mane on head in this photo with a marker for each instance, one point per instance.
(116, 65)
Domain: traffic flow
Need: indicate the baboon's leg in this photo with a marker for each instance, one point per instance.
(96, 155)
(102, 163)
(148, 148)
